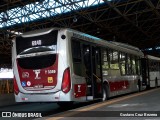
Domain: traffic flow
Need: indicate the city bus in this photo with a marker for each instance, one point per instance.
(151, 71)
(63, 65)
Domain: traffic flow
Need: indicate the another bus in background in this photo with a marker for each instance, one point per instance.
(151, 71)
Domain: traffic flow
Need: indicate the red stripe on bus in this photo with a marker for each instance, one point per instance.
(119, 85)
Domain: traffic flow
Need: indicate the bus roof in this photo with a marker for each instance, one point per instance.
(38, 32)
(113, 45)
(152, 57)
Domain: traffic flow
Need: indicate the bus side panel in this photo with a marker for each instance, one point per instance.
(79, 85)
(122, 85)
(63, 63)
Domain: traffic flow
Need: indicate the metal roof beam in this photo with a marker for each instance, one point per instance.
(125, 17)
(42, 10)
(106, 26)
(150, 4)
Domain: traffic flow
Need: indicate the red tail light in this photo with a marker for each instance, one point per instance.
(16, 89)
(66, 81)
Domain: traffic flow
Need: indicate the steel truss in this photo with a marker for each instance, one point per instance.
(136, 22)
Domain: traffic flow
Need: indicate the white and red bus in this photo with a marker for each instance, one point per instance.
(64, 65)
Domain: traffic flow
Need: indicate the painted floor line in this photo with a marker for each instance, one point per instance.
(98, 105)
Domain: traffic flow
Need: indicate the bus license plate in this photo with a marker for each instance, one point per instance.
(38, 86)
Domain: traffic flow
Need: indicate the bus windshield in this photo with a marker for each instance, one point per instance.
(37, 62)
(38, 49)
(26, 45)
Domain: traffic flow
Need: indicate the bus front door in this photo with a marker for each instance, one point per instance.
(91, 58)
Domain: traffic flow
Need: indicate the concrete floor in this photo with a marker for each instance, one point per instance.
(128, 107)
(138, 106)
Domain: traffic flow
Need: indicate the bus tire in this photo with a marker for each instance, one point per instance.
(156, 82)
(105, 93)
(139, 86)
(65, 104)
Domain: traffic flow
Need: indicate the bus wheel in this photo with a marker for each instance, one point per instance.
(156, 82)
(65, 104)
(105, 93)
(139, 86)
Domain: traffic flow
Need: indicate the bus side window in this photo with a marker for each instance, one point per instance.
(87, 60)
(150, 65)
(128, 65)
(105, 61)
(76, 57)
(133, 58)
(137, 62)
(122, 63)
(114, 63)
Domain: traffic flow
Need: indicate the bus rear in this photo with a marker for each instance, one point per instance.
(35, 63)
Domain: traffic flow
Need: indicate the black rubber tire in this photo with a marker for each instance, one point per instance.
(139, 86)
(156, 82)
(105, 93)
